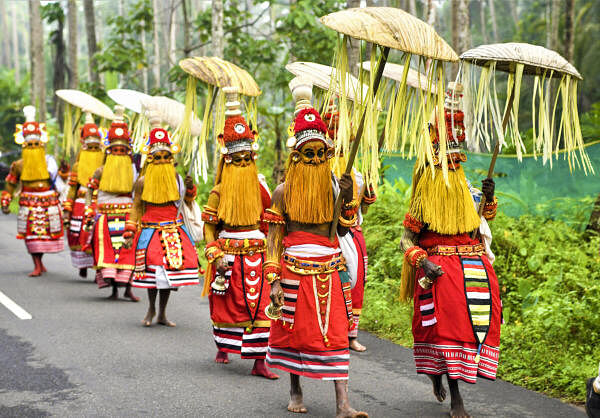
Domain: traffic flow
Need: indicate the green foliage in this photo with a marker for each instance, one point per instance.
(123, 52)
(549, 279)
(14, 97)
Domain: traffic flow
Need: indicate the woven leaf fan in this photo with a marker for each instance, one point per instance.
(388, 28)
(78, 102)
(217, 73)
(550, 70)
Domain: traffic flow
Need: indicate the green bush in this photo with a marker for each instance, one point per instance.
(549, 278)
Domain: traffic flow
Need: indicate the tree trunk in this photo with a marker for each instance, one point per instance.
(569, 29)
(172, 37)
(145, 69)
(38, 81)
(217, 40)
(494, 23)
(5, 46)
(482, 21)
(412, 7)
(555, 21)
(60, 70)
(353, 45)
(72, 25)
(15, 44)
(594, 223)
(156, 41)
(514, 12)
(186, 30)
(90, 25)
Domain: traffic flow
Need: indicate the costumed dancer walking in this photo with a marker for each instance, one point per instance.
(89, 159)
(457, 308)
(306, 269)
(356, 265)
(236, 244)
(165, 255)
(108, 210)
(39, 222)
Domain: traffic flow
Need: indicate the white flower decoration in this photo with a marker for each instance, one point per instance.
(309, 117)
(159, 135)
(239, 128)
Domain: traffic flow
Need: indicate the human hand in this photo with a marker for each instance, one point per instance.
(346, 188)
(431, 270)
(189, 182)
(276, 293)
(488, 187)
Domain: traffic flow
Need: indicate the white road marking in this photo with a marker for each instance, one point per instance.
(13, 307)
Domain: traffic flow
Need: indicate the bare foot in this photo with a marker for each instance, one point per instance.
(222, 357)
(129, 295)
(147, 321)
(459, 412)
(261, 369)
(349, 412)
(42, 266)
(296, 404)
(83, 273)
(113, 296)
(356, 346)
(438, 388)
(35, 273)
(164, 321)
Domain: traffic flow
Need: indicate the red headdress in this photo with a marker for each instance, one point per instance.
(308, 125)
(90, 133)
(118, 133)
(454, 124)
(236, 135)
(30, 130)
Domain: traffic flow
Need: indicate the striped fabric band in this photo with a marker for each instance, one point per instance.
(147, 279)
(479, 301)
(249, 345)
(81, 260)
(105, 276)
(325, 365)
(427, 309)
(290, 296)
(456, 360)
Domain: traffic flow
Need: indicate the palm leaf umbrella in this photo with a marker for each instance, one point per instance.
(388, 28)
(545, 65)
(216, 73)
(82, 102)
(133, 100)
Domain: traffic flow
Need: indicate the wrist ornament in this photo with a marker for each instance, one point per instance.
(490, 208)
(131, 226)
(89, 213)
(190, 194)
(370, 198)
(348, 223)
(72, 179)
(209, 215)
(94, 183)
(415, 256)
(272, 216)
(68, 205)
(11, 178)
(128, 234)
(271, 271)
(6, 198)
(213, 251)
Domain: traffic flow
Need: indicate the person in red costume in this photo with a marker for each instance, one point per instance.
(165, 255)
(447, 272)
(357, 261)
(89, 159)
(108, 202)
(39, 222)
(235, 246)
(310, 289)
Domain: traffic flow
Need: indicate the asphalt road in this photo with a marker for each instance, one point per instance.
(82, 355)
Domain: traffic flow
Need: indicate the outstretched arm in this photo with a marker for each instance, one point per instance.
(213, 252)
(413, 254)
(135, 214)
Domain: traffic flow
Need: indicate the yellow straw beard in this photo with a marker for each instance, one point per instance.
(34, 164)
(87, 164)
(447, 209)
(160, 183)
(308, 193)
(240, 203)
(117, 174)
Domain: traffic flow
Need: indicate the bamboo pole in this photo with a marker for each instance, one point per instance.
(505, 118)
(354, 150)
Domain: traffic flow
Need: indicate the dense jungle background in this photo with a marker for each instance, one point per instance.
(546, 235)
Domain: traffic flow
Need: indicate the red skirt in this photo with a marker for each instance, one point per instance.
(456, 323)
(358, 291)
(39, 221)
(312, 337)
(109, 252)
(168, 248)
